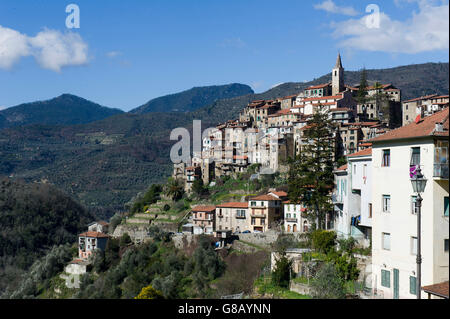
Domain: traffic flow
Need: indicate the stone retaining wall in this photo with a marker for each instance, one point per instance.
(261, 239)
(302, 289)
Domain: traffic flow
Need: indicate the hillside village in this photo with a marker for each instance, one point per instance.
(380, 144)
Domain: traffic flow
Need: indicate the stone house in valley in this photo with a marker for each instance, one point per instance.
(89, 241)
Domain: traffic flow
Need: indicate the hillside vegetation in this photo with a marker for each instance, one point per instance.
(34, 218)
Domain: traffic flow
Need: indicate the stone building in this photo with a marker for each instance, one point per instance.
(233, 216)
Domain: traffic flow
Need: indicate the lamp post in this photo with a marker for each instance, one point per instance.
(418, 183)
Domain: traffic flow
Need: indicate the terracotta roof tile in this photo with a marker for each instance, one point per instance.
(425, 97)
(201, 208)
(342, 168)
(425, 127)
(331, 97)
(93, 234)
(366, 152)
(440, 289)
(265, 198)
(280, 193)
(234, 205)
(319, 86)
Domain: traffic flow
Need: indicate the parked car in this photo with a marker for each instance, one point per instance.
(246, 232)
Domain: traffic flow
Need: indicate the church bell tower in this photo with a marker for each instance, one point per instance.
(337, 82)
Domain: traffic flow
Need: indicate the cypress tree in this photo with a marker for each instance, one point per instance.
(362, 90)
(311, 177)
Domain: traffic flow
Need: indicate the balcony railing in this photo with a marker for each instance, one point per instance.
(336, 198)
(259, 215)
(292, 220)
(441, 170)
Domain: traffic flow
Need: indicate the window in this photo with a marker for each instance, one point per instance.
(413, 205)
(354, 168)
(386, 278)
(386, 158)
(386, 203)
(253, 221)
(386, 241)
(446, 245)
(370, 210)
(407, 117)
(240, 213)
(253, 204)
(412, 285)
(413, 245)
(415, 156)
(446, 206)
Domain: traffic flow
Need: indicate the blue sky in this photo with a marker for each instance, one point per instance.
(128, 52)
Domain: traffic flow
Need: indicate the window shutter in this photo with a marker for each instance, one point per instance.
(412, 285)
(446, 206)
(385, 278)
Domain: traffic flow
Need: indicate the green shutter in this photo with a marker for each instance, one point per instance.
(412, 285)
(385, 278)
(446, 206)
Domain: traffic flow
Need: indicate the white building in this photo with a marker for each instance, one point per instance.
(360, 167)
(394, 219)
(294, 219)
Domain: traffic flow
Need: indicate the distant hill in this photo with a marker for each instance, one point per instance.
(63, 110)
(105, 163)
(34, 217)
(193, 99)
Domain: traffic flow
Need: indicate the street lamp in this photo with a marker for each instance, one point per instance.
(418, 183)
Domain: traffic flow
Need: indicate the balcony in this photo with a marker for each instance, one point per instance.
(291, 220)
(336, 199)
(259, 215)
(440, 171)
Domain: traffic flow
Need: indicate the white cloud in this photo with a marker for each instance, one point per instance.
(277, 84)
(257, 85)
(113, 54)
(13, 46)
(330, 6)
(233, 43)
(426, 30)
(52, 49)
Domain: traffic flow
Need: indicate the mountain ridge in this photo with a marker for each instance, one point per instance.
(65, 109)
(192, 99)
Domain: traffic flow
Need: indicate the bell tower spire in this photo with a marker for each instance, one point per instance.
(338, 76)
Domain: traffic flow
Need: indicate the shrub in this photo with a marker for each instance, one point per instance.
(323, 240)
(328, 284)
(125, 240)
(281, 274)
(347, 245)
(149, 293)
